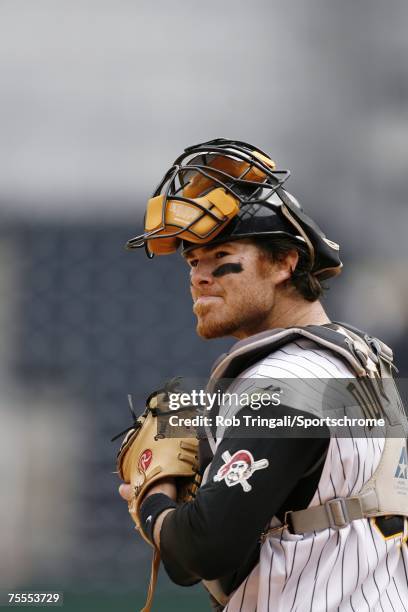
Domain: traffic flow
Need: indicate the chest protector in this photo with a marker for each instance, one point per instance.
(386, 492)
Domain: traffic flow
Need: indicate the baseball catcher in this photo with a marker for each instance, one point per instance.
(284, 522)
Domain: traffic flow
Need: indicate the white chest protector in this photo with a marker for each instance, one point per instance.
(386, 492)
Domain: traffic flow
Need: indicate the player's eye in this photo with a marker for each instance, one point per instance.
(193, 263)
(221, 254)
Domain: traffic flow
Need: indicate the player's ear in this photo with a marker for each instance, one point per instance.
(285, 265)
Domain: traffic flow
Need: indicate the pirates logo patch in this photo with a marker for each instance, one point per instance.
(238, 468)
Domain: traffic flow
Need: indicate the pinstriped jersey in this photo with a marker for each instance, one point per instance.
(356, 568)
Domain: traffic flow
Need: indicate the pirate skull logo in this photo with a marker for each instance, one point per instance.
(238, 468)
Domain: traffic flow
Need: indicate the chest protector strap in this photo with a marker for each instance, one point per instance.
(386, 492)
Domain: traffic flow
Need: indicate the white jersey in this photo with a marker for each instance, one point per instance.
(353, 569)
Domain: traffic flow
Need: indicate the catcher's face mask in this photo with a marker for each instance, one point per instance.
(227, 189)
(202, 192)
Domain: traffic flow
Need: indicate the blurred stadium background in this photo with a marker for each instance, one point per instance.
(97, 99)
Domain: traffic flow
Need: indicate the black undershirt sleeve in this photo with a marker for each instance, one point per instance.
(217, 535)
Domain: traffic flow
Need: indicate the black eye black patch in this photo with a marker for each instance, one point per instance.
(228, 268)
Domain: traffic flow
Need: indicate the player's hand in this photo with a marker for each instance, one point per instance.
(166, 486)
(125, 491)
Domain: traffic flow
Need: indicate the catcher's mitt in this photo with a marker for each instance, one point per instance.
(146, 457)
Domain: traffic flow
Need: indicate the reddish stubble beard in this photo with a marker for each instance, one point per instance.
(244, 308)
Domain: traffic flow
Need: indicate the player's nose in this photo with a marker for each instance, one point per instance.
(201, 275)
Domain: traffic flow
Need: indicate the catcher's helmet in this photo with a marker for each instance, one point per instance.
(225, 190)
